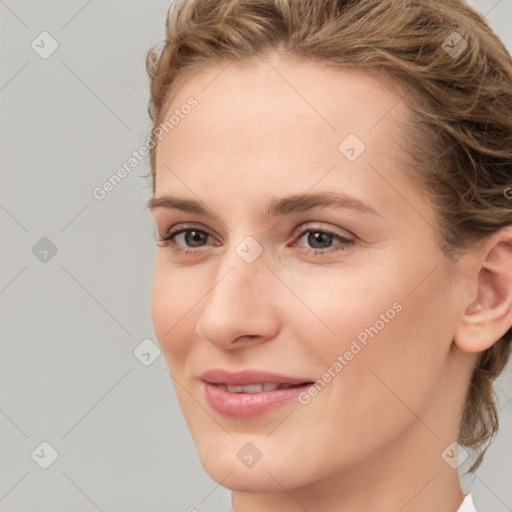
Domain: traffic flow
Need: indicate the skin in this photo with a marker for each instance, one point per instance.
(372, 439)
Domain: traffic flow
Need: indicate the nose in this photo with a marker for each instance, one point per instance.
(241, 307)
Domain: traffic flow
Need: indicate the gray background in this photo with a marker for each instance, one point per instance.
(71, 323)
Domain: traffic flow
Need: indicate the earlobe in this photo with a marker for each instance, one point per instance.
(488, 316)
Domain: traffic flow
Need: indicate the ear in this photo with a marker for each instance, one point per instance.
(488, 315)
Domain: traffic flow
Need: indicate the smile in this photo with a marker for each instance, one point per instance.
(256, 388)
(249, 392)
(250, 400)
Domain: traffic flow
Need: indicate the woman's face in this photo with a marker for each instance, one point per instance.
(354, 295)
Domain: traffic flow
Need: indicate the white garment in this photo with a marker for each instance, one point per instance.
(467, 505)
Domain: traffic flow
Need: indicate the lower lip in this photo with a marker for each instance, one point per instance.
(247, 405)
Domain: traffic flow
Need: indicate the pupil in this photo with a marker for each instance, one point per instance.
(193, 236)
(316, 236)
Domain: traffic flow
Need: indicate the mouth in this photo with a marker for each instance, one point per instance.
(250, 399)
(258, 388)
(247, 393)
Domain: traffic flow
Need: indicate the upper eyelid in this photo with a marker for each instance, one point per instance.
(181, 228)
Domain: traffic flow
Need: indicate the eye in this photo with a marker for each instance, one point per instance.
(183, 240)
(192, 237)
(320, 240)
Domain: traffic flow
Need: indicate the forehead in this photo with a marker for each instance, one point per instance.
(278, 117)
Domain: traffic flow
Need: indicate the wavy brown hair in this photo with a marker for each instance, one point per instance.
(459, 138)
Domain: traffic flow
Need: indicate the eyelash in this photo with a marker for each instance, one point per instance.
(168, 241)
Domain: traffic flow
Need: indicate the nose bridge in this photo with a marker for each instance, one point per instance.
(239, 300)
(241, 273)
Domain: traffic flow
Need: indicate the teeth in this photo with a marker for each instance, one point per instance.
(236, 389)
(251, 388)
(255, 388)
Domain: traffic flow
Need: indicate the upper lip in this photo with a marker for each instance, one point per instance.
(244, 377)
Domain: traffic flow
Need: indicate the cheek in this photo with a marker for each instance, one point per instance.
(172, 309)
(392, 334)
(340, 305)
(395, 377)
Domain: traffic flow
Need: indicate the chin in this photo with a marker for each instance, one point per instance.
(269, 473)
(249, 482)
(242, 479)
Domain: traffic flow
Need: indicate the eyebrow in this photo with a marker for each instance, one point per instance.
(275, 207)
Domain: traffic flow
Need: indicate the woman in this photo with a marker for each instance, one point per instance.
(333, 281)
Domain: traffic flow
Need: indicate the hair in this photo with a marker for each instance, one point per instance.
(460, 104)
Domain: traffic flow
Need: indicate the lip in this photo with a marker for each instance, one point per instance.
(244, 377)
(247, 405)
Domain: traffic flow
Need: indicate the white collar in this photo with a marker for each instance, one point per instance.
(467, 505)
